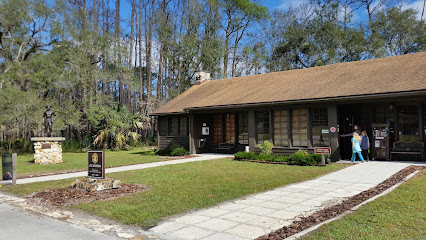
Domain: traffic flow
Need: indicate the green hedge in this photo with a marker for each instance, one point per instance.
(260, 157)
(301, 157)
(180, 151)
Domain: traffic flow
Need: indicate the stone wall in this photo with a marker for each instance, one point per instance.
(47, 151)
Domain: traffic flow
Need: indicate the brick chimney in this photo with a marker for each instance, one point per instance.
(201, 77)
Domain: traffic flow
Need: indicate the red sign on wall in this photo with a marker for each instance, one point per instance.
(323, 150)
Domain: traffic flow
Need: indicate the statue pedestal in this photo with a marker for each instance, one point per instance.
(48, 150)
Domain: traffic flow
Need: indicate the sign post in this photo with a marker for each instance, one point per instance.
(96, 164)
(323, 151)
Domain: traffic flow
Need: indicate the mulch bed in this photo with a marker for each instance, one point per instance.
(71, 196)
(331, 212)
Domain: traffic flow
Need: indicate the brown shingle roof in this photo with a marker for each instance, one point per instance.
(404, 73)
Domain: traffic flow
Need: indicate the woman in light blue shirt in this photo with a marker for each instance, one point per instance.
(356, 141)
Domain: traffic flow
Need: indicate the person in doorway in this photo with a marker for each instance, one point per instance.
(356, 148)
(356, 130)
(365, 145)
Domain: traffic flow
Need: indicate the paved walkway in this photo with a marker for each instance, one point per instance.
(259, 214)
(197, 158)
(16, 223)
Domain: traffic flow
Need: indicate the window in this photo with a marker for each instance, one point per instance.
(281, 127)
(383, 113)
(319, 119)
(299, 122)
(230, 128)
(183, 126)
(262, 126)
(178, 126)
(173, 126)
(217, 129)
(408, 123)
(243, 128)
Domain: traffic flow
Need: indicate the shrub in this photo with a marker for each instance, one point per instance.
(317, 158)
(71, 145)
(180, 151)
(260, 157)
(302, 158)
(245, 155)
(162, 152)
(266, 147)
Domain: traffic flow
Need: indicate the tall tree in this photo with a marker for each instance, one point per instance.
(238, 16)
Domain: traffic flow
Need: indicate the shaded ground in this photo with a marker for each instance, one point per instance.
(328, 213)
(71, 196)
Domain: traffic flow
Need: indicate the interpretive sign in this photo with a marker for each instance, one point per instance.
(96, 164)
(9, 167)
(46, 146)
(323, 150)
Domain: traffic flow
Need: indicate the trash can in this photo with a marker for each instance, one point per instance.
(7, 167)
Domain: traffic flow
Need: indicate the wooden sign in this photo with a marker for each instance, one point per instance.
(96, 164)
(323, 150)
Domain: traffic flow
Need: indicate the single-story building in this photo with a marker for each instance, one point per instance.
(302, 109)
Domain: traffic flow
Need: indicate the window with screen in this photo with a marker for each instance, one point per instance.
(408, 123)
(262, 126)
(281, 127)
(299, 123)
(243, 128)
(173, 126)
(183, 126)
(319, 121)
(217, 129)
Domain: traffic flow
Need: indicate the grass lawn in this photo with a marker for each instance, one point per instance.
(183, 187)
(78, 161)
(399, 215)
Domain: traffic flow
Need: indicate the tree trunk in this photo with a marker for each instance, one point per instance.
(148, 39)
(132, 33)
(118, 46)
(141, 79)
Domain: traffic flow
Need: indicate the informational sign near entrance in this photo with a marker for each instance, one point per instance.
(332, 129)
(96, 164)
(323, 151)
(9, 167)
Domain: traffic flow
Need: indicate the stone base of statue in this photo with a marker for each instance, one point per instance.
(47, 150)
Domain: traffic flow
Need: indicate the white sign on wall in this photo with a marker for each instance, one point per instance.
(205, 131)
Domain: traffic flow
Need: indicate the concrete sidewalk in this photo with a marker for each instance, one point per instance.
(197, 158)
(259, 214)
(16, 223)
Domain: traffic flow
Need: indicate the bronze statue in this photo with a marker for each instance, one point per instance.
(48, 118)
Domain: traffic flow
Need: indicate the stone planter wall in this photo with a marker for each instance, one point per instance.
(47, 150)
